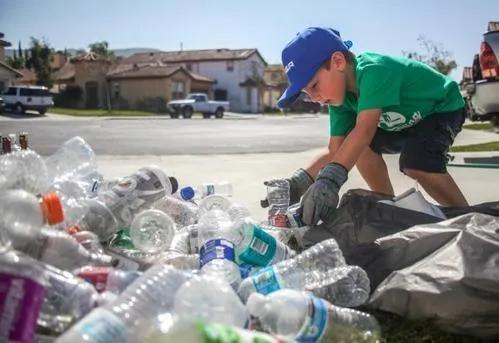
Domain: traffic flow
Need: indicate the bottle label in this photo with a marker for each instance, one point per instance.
(261, 250)
(316, 324)
(101, 326)
(245, 270)
(216, 249)
(266, 281)
(20, 302)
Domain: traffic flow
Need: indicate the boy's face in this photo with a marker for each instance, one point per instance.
(328, 84)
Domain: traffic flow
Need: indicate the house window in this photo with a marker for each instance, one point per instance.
(230, 65)
(177, 89)
(2, 86)
(248, 96)
(275, 76)
(188, 66)
(116, 90)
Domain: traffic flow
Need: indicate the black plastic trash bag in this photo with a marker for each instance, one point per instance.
(447, 271)
(361, 219)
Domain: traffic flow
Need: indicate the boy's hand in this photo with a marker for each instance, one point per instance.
(321, 199)
(299, 182)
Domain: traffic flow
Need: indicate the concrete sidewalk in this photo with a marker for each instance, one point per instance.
(247, 173)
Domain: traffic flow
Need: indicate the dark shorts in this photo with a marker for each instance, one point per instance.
(424, 146)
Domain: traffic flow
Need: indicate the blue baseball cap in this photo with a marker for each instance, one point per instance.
(304, 55)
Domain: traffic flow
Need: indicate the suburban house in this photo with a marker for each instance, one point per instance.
(275, 84)
(148, 84)
(237, 74)
(8, 74)
(89, 72)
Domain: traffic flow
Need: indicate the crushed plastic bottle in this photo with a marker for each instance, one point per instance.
(278, 198)
(321, 265)
(301, 317)
(116, 207)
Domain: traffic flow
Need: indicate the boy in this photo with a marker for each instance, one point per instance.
(377, 104)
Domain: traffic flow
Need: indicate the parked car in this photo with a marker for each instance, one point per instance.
(197, 102)
(25, 98)
(2, 105)
(481, 91)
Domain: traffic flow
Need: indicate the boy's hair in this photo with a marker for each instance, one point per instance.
(349, 57)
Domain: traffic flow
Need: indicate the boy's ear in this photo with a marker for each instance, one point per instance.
(338, 61)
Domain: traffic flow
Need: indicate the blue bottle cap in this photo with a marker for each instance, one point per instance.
(187, 193)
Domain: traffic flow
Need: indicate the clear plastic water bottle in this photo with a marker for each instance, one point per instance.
(314, 268)
(56, 248)
(134, 313)
(216, 243)
(278, 198)
(152, 231)
(67, 299)
(73, 159)
(25, 170)
(182, 212)
(256, 247)
(23, 289)
(107, 278)
(301, 317)
(116, 207)
(21, 211)
(208, 298)
(214, 202)
(206, 189)
(351, 287)
(238, 212)
(118, 280)
(13, 142)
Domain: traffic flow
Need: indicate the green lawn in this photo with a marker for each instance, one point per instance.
(99, 113)
(489, 146)
(479, 126)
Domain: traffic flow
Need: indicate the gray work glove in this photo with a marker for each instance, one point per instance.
(298, 184)
(321, 199)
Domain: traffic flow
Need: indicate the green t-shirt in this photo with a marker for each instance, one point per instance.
(406, 90)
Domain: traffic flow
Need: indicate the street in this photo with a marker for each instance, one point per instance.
(164, 136)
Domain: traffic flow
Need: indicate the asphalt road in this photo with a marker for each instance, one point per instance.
(164, 136)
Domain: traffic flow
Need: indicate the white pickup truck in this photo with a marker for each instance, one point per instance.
(481, 82)
(197, 102)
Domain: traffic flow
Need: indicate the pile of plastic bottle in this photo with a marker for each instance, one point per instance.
(142, 259)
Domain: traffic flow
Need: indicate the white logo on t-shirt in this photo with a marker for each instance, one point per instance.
(392, 119)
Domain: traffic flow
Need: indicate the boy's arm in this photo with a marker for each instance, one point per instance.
(325, 157)
(321, 199)
(358, 139)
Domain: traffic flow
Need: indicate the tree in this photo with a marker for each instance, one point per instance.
(20, 51)
(434, 55)
(101, 48)
(39, 61)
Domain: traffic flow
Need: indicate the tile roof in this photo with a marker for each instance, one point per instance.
(66, 72)
(150, 71)
(9, 68)
(192, 55)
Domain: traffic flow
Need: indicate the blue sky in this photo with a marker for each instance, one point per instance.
(385, 26)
